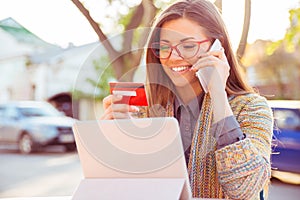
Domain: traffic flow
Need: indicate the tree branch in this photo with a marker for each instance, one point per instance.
(102, 37)
(135, 21)
(219, 4)
(149, 15)
(242, 45)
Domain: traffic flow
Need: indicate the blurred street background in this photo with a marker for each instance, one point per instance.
(50, 53)
(55, 173)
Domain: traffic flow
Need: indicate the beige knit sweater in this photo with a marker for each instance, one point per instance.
(238, 171)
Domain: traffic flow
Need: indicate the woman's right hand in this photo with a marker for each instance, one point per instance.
(116, 111)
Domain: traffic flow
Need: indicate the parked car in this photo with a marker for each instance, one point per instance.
(286, 150)
(32, 125)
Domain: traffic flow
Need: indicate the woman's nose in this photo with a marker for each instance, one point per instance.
(175, 54)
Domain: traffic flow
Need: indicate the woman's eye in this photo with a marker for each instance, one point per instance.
(189, 46)
(164, 48)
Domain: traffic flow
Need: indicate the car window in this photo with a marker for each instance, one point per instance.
(2, 109)
(40, 111)
(11, 113)
(287, 119)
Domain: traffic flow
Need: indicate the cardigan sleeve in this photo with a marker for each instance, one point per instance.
(227, 131)
(244, 167)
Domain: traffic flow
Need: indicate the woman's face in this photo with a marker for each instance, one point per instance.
(186, 33)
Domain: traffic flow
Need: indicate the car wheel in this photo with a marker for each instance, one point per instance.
(25, 144)
(70, 147)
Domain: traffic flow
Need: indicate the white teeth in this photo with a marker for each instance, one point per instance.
(179, 69)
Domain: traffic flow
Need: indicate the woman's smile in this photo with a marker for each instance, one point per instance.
(180, 35)
(181, 69)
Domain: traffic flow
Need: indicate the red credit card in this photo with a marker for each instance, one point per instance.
(133, 93)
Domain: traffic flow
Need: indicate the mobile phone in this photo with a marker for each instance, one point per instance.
(215, 46)
(132, 93)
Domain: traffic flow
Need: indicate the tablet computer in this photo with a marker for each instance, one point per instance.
(133, 149)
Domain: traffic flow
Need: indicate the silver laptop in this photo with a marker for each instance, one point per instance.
(131, 159)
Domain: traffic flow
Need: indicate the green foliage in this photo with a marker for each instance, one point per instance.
(292, 36)
(78, 94)
(122, 13)
(161, 4)
(291, 40)
(125, 19)
(105, 71)
(272, 47)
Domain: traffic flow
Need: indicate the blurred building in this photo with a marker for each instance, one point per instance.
(19, 51)
(32, 69)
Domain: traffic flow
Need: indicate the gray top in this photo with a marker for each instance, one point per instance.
(187, 116)
(226, 131)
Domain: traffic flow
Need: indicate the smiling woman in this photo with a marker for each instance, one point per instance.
(226, 131)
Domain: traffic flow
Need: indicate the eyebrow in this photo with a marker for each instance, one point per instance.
(182, 40)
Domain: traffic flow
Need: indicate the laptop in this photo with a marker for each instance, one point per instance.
(131, 159)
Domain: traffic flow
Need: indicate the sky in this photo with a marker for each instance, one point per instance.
(60, 22)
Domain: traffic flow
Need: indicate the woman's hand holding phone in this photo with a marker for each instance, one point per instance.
(212, 69)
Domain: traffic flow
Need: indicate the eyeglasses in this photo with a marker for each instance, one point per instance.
(185, 50)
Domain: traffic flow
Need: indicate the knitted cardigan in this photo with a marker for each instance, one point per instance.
(241, 170)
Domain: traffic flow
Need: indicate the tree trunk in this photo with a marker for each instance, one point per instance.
(219, 3)
(243, 42)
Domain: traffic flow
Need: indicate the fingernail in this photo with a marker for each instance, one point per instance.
(119, 96)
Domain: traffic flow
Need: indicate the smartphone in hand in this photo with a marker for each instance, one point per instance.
(215, 46)
(132, 93)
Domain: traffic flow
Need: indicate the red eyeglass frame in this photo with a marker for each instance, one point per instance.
(175, 47)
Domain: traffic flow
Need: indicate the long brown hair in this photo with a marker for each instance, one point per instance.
(203, 12)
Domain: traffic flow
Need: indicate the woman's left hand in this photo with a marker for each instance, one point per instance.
(214, 69)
